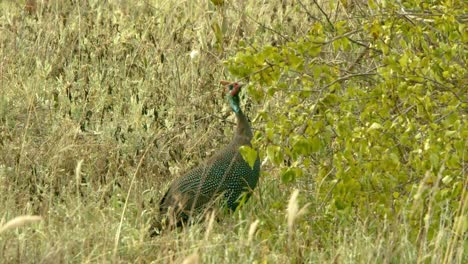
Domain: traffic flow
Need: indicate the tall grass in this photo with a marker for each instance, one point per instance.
(101, 106)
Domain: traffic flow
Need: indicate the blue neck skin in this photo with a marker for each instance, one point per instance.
(234, 102)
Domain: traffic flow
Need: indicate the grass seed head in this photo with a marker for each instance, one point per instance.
(20, 221)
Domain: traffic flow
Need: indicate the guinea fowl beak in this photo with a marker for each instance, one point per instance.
(224, 82)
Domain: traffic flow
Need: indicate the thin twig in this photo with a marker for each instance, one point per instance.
(325, 14)
(307, 11)
(258, 71)
(344, 78)
(268, 28)
(345, 35)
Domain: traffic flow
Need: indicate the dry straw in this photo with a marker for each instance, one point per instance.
(293, 210)
(252, 229)
(210, 225)
(78, 176)
(20, 221)
(192, 259)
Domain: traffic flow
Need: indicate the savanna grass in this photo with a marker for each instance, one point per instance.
(101, 106)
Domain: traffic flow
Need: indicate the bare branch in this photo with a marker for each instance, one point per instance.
(325, 14)
(307, 11)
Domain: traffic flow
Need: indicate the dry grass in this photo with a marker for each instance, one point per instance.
(20, 221)
(101, 105)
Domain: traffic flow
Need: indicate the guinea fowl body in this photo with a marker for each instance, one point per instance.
(226, 173)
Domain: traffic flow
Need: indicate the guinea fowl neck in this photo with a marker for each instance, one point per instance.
(243, 133)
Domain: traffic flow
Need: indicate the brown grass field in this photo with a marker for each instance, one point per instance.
(103, 103)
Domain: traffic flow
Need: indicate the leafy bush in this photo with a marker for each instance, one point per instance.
(372, 108)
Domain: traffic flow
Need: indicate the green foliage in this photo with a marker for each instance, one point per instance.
(249, 154)
(388, 121)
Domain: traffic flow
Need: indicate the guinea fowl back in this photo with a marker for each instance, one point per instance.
(226, 173)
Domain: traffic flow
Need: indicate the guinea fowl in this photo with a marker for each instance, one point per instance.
(225, 175)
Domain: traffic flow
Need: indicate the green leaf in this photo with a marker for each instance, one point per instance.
(274, 154)
(315, 144)
(330, 100)
(339, 204)
(217, 2)
(249, 154)
(288, 176)
(404, 60)
(301, 147)
(375, 126)
(218, 33)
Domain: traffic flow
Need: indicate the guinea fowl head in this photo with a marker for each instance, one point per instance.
(232, 90)
(243, 133)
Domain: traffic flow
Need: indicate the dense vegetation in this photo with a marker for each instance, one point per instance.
(359, 110)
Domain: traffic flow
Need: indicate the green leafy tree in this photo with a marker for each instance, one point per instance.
(369, 111)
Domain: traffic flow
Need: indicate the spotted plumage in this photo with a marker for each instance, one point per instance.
(226, 173)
